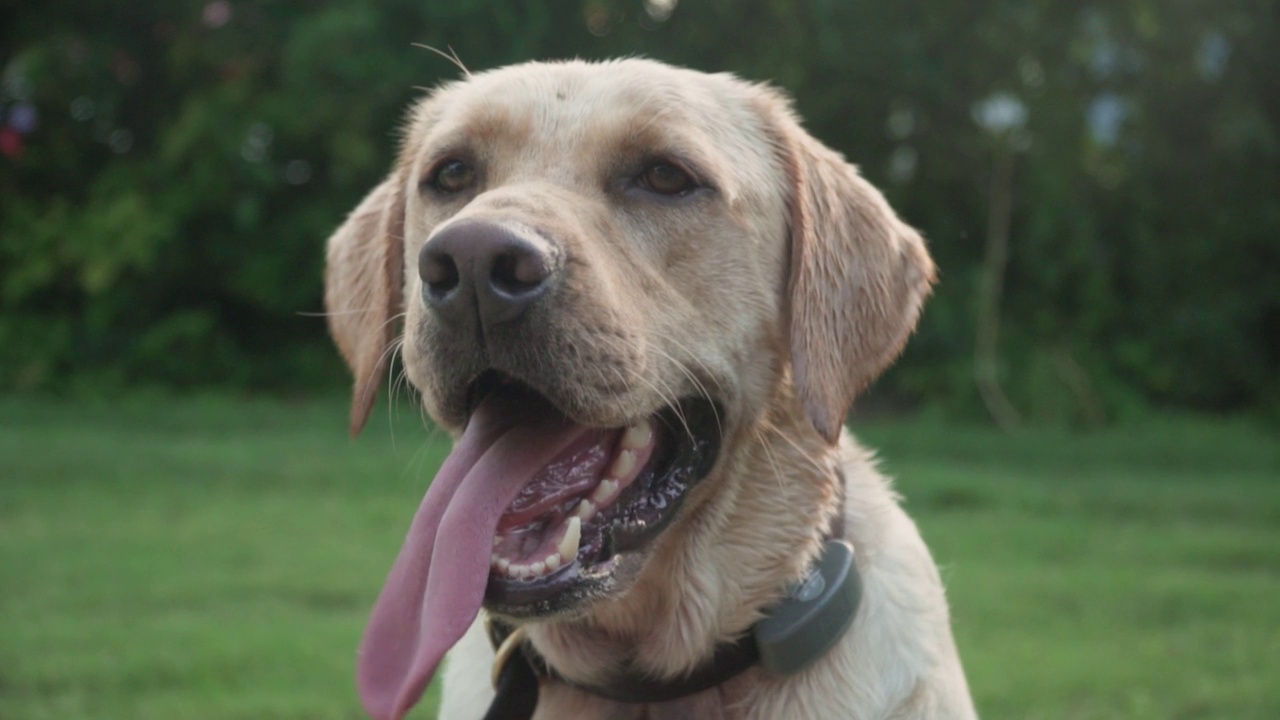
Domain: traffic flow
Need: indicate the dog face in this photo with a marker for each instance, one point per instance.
(663, 270)
(654, 278)
(607, 273)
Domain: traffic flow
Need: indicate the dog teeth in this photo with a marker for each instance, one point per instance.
(605, 492)
(568, 547)
(624, 464)
(566, 552)
(585, 510)
(637, 436)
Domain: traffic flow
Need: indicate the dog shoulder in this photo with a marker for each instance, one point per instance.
(901, 635)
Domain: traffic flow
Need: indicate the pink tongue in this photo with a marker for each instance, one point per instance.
(436, 586)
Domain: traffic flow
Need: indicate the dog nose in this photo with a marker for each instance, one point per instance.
(477, 266)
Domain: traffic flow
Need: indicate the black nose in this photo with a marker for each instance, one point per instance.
(476, 266)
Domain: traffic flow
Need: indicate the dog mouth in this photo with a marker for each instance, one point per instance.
(607, 495)
(532, 514)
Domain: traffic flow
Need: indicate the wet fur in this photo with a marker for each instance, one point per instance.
(781, 292)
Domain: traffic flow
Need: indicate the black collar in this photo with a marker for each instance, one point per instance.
(810, 619)
(518, 667)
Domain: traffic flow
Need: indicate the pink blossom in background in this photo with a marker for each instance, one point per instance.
(10, 141)
(216, 14)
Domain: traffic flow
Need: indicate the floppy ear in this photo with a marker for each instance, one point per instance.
(363, 288)
(857, 280)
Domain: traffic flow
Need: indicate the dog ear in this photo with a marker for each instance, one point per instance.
(363, 288)
(857, 281)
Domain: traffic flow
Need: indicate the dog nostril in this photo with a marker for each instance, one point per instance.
(518, 273)
(439, 273)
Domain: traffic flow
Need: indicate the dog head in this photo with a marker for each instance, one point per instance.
(605, 274)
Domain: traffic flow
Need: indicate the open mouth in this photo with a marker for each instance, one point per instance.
(530, 515)
(610, 492)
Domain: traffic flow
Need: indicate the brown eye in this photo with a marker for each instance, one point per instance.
(453, 176)
(666, 179)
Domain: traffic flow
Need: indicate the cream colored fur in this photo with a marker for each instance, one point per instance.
(782, 293)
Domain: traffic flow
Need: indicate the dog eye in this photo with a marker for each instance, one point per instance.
(666, 179)
(452, 176)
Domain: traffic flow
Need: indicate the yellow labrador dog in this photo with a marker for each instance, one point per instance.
(641, 300)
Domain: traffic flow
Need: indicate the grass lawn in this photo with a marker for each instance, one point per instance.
(216, 558)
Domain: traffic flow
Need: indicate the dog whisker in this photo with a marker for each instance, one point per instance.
(392, 381)
(761, 435)
(821, 467)
(336, 313)
(669, 399)
(698, 384)
(451, 56)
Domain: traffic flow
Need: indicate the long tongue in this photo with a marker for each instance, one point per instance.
(434, 591)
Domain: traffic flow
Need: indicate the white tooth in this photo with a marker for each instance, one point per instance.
(538, 569)
(623, 464)
(584, 511)
(553, 561)
(637, 436)
(604, 492)
(568, 547)
(496, 539)
(493, 560)
(504, 566)
(519, 571)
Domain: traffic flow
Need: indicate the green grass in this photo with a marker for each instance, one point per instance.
(216, 558)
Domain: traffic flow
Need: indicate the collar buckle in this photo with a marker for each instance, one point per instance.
(815, 613)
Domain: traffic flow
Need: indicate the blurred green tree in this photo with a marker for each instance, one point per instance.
(169, 171)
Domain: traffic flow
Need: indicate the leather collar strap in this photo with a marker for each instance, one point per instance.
(516, 680)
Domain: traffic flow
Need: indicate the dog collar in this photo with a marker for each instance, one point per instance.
(810, 619)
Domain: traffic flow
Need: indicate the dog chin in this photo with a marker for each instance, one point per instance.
(582, 530)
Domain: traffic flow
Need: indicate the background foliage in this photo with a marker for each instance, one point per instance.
(170, 170)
